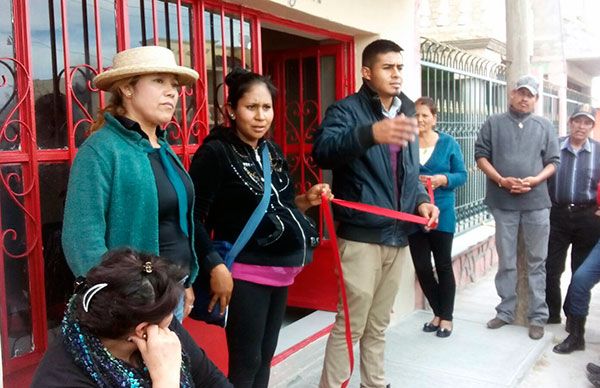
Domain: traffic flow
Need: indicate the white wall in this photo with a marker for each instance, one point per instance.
(446, 20)
(364, 20)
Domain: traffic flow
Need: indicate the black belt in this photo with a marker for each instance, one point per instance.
(576, 206)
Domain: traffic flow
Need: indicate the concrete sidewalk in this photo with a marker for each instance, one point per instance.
(473, 356)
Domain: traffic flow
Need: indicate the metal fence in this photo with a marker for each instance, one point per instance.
(467, 89)
(575, 98)
(551, 98)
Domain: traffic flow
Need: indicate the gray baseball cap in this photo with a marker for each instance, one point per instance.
(584, 110)
(528, 82)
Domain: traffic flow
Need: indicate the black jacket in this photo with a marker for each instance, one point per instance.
(59, 370)
(228, 185)
(362, 170)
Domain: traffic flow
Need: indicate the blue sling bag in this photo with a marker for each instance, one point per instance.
(229, 252)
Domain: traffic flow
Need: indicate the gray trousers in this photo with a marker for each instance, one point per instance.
(536, 228)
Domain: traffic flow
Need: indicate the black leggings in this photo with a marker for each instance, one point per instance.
(440, 292)
(255, 317)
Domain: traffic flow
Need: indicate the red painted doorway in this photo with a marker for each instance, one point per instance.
(309, 78)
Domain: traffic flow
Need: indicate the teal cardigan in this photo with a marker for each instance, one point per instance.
(446, 159)
(112, 199)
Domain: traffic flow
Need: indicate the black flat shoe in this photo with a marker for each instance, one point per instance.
(593, 368)
(430, 327)
(443, 333)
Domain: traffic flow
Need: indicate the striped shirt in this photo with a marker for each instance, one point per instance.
(578, 174)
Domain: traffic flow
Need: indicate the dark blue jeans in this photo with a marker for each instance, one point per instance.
(585, 278)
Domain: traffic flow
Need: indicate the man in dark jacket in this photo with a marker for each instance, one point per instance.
(368, 140)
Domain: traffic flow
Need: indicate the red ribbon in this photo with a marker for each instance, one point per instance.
(430, 190)
(381, 211)
(336, 252)
(338, 264)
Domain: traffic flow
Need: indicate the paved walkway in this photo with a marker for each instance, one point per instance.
(473, 356)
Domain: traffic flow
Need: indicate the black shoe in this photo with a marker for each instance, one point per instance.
(593, 368)
(430, 327)
(594, 379)
(575, 340)
(553, 319)
(443, 333)
(569, 345)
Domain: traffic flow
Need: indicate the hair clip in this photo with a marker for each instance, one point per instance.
(89, 294)
(148, 267)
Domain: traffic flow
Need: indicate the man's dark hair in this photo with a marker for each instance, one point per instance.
(379, 46)
(136, 292)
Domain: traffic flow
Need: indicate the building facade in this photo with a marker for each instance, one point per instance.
(51, 50)
(563, 52)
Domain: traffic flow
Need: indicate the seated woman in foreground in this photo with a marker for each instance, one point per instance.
(119, 331)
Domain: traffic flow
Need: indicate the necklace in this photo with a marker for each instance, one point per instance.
(428, 139)
(100, 365)
(425, 154)
(519, 119)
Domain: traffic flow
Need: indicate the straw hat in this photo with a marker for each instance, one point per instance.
(144, 60)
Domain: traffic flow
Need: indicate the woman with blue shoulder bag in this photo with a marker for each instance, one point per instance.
(231, 176)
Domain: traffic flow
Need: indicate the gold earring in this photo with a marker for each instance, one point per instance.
(232, 116)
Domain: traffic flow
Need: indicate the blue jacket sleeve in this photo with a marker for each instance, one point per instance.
(338, 140)
(84, 224)
(458, 174)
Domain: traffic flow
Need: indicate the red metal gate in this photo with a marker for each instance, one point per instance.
(49, 53)
(307, 84)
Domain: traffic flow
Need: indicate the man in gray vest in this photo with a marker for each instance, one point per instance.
(518, 152)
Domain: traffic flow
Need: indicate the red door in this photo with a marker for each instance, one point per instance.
(308, 81)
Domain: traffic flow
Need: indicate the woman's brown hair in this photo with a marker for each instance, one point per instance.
(140, 288)
(115, 106)
(429, 103)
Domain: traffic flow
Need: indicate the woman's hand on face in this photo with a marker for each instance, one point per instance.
(221, 285)
(314, 194)
(188, 301)
(161, 352)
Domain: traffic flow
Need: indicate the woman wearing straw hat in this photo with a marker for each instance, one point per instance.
(127, 187)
